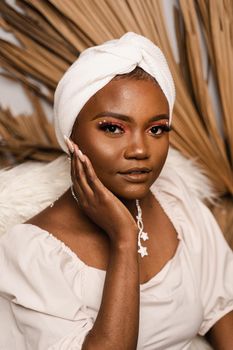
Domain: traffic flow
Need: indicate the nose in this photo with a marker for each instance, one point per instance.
(137, 147)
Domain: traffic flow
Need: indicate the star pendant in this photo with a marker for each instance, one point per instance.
(142, 251)
(144, 236)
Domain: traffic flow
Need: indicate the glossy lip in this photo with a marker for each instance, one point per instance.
(128, 171)
(135, 178)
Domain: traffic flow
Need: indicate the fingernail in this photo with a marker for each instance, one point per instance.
(81, 156)
(69, 144)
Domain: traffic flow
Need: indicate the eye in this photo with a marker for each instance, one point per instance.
(111, 128)
(159, 129)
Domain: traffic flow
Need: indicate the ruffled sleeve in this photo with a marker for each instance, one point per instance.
(210, 257)
(41, 291)
(216, 272)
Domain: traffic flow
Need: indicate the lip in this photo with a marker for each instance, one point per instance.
(144, 169)
(136, 178)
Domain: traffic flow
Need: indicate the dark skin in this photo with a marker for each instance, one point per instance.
(104, 220)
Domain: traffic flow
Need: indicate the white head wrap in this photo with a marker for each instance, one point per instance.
(96, 66)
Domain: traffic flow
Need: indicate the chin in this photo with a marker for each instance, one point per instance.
(133, 192)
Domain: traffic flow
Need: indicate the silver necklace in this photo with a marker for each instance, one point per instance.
(141, 234)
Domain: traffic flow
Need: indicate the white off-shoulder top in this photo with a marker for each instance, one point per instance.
(49, 298)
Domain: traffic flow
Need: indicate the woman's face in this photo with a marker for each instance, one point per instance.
(121, 130)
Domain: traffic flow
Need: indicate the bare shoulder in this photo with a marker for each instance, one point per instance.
(55, 218)
(59, 224)
(76, 232)
(46, 220)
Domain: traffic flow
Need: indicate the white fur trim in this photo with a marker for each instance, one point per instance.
(27, 189)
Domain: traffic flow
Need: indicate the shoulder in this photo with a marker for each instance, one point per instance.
(21, 237)
(31, 243)
(24, 248)
(35, 266)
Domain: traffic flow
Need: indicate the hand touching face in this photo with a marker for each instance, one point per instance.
(97, 202)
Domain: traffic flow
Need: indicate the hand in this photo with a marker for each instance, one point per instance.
(98, 203)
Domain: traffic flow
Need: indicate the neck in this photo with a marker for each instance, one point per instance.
(130, 204)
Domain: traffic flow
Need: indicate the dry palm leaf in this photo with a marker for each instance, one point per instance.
(27, 136)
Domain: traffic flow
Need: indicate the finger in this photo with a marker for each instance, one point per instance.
(72, 167)
(69, 144)
(73, 159)
(74, 177)
(94, 182)
(81, 176)
(70, 147)
(76, 186)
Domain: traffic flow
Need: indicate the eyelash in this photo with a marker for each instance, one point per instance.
(105, 125)
(164, 128)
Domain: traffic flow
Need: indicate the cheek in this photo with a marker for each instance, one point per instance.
(160, 155)
(102, 155)
(102, 151)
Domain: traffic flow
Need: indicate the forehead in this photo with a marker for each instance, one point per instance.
(127, 96)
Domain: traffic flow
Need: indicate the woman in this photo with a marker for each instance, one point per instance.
(124, 259)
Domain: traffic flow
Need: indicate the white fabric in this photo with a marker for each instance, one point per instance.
(46, 291)
(96, 66)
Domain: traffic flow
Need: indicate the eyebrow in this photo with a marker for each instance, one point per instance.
(127, 118)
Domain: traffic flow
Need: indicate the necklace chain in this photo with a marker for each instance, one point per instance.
(141, 234)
